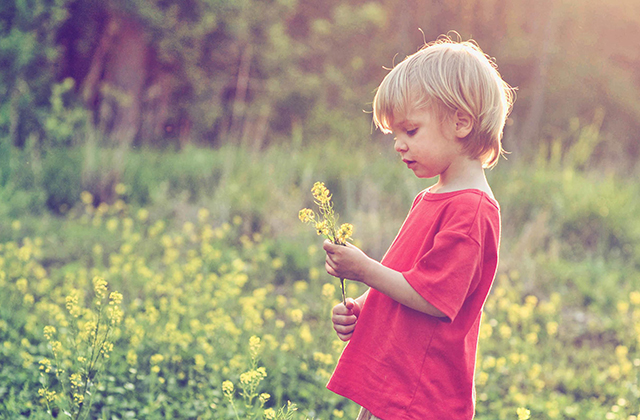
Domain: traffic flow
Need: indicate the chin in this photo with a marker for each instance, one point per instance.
(423, 175)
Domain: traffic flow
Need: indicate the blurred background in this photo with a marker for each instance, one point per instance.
(167, 75)
(167, 146)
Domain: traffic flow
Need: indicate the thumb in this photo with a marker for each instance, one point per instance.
(353, 306)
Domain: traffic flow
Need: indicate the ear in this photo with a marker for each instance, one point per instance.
(463, 124)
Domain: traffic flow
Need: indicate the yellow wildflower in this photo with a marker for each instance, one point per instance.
(143, 215)
(86, 197)
(156, 358)
(120, 189)
(344, 233)
(254, 346)
(203, 215)
(46, 394)
(306, 215)
(322, 228)
(76, 380)
(45, 364)
(72, 304)
(327, 225)
(321, 193)
(264, 397)
(269, 414)
(523, 413)
(100, 287)
(115, 298)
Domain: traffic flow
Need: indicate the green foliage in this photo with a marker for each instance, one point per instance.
(61, 178)
(29, 54)
(256, 72)
(63, 121)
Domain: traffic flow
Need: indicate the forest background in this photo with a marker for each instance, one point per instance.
(167, 146)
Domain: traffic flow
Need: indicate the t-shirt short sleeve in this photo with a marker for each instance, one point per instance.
(447, 273)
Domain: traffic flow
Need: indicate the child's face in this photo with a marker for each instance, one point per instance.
(427, 146)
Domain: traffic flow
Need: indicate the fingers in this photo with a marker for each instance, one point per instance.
(329, 269)
(344, 337)
(344, 332)
(353, 306)
(341, 309)
(328, 246)
(344, 319)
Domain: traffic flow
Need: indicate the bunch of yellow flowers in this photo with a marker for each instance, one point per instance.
(327, 222)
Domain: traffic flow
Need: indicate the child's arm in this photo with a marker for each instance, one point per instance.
(351, 263)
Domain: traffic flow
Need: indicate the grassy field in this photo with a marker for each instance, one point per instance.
(224, 297)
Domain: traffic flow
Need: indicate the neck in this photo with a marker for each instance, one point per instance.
(462, 175)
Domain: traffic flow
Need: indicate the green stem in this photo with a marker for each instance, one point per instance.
(233, 406)
(334, 240)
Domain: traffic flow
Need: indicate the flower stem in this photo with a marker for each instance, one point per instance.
(344, 296)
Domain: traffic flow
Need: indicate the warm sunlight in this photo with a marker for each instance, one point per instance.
(155, 155)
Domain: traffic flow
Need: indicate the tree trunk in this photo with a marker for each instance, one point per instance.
(126, 72)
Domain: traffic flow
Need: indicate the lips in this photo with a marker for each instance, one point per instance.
(408, 162)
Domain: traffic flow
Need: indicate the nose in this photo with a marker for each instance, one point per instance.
(399, 145)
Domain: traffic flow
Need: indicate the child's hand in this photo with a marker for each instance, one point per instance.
(344, 318)
(346, 262)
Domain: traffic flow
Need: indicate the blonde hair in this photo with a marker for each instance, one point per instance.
(446, 76)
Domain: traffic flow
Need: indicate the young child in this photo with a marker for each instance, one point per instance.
(413, 334)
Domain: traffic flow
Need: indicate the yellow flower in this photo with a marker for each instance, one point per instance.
(253, 376)
(72, 304)
(203, 215)
(107, 348)
(199, 362)
(269, 414)
(264, 397)
(296, 315)
(320, 192)
(326, 359)
(86, 197)
(120, 188)
(227, 387)
(156, 358)
(306, 215)
(523, 413)
(115, 298)
(328, 290)
(45, 364)
(322, 228)
(254, 346)
(46, 394)
(100, 287)
(143, 215)
(76, 380)
(344, 233)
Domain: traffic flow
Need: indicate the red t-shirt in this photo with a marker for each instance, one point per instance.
(404, 364)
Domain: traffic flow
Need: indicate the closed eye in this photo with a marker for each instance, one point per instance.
(411, 133)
